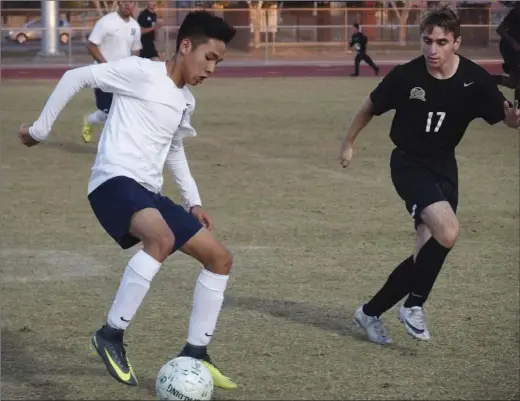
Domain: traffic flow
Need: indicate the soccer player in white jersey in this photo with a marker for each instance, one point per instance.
(150, 116)
(115, 36)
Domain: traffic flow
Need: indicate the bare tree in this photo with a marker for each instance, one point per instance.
(402, 14)
(255, 12)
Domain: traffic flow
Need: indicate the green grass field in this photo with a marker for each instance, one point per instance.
(311, 242)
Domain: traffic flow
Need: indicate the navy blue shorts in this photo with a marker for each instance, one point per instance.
(115, 201)
(103, 100)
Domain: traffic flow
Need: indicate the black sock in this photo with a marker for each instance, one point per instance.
(395, 289)
(111, 334)
(428, 264)
(194, 351)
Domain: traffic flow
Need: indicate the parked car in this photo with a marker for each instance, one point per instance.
(33, 30)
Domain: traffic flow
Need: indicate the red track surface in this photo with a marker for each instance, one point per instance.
(50, 72)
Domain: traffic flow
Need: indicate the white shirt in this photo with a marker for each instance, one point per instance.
(145, 128)
(115, 37)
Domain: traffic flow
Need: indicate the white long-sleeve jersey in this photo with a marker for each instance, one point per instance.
(145, 128)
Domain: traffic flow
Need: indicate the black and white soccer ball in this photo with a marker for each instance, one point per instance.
(184, 378)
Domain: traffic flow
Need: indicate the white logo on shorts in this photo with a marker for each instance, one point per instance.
(414, 208)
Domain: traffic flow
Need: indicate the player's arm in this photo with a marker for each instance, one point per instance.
(177, 163)
(121, 77)
(505, 26)
(493, 107)
(95, 39)
(136, 44)
(382, 99)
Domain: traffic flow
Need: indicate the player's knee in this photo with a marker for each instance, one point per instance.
(221, 261)
(160, 245)
(449, 234)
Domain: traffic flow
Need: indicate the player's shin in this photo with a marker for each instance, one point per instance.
(428, 264)
(395, 289)
(135, 283)
(208, 297)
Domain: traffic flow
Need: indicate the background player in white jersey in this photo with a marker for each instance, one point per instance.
(435, 96)
(150, 116)
(115, 36)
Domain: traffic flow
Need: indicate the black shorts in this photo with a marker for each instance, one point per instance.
(116, 200)
(148, 51)
(103, 100)
(420, 186)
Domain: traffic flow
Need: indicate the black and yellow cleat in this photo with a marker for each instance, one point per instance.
(201, 353)
(108, 343)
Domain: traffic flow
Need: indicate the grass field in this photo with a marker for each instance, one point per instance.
(311, 242)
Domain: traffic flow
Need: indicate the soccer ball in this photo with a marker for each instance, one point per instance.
(184, 378)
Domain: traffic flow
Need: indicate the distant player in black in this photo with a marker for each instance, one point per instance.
(509, 31)
(359, 42)
(148, 21)
(435, 97)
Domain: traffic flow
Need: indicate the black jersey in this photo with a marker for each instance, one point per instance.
(432, 114)
(147, 19)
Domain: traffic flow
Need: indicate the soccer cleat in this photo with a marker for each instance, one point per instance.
(414, 322)
(86, 130)
(200, 353)
(113, 354)
(373, 327)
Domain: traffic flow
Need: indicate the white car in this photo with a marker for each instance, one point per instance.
(33, 30)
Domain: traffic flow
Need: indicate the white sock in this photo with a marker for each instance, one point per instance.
(207, 302)
(97, 117)
(135, 283)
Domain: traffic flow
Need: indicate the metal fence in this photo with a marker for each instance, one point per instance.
(266, 36)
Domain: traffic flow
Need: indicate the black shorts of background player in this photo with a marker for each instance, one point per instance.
(147, 19)
(509, 31)
(435, 97)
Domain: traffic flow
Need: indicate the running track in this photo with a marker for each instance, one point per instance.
(322, 70)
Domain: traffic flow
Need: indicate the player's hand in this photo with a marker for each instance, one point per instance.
(512, 115)
(346, 154)
(25, 137)
(202, 217)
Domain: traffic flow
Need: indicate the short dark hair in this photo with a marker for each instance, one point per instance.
(200, 26)
(356, 26)
(443, 17)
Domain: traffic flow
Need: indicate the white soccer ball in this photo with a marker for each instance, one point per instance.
(184, 378)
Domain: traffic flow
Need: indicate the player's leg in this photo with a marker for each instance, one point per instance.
(194, 240)
(357, 61)
(437, 232)
(103, 103)
(126, 210)
(371, 63)
(416, 186)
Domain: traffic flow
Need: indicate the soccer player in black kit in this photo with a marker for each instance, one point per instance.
(435, 97)
(148, 21)
(359, 41)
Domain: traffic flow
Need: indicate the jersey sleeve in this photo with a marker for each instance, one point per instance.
(384, 96)
(120, 76)
(490, 101)
(177, 163)
(99, 31)
(136, 44)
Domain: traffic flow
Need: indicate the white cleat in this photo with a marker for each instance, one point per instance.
(414, 322)
(373, 327)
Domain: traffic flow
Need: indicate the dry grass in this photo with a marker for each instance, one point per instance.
(311, 242)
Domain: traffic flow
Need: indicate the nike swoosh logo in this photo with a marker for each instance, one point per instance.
(208, 335)
(124, 320)
(414, 329)
(122, 375)
(467, 84)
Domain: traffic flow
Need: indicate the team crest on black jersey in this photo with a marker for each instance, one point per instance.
(418, 93)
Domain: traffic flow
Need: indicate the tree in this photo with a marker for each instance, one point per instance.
(402, 10)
